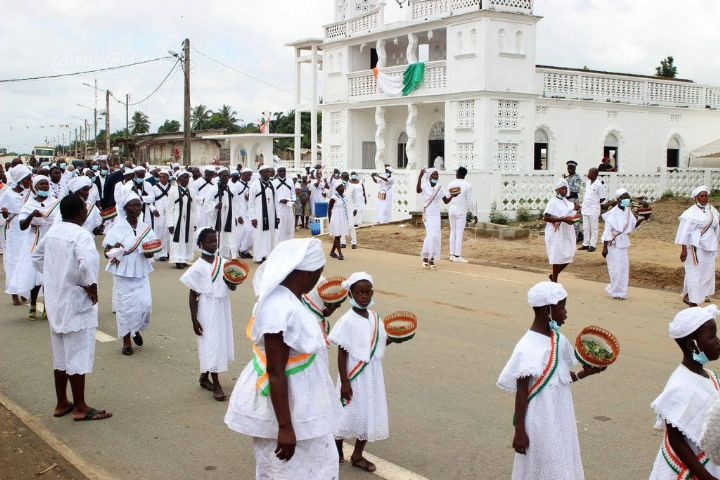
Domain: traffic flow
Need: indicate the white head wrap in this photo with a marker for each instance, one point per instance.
(699, 190)
(304, 254)
(561, 183)
(265, 167)
(18, 173)
(390, 169)
(139, 169)
(78, 183)
(39, 178)
(690, 319)
(620, 192)
(429, 172)
(356, 277)
(546, 293)
(129, 195)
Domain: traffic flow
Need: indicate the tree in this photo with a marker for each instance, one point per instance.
(227, 118)
(285, 123)
(169, 126)
(200, 117)
(667, 68)
(140, 123)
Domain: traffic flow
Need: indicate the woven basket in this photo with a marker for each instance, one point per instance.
(235, 272)
(153, 246)
(576, 218)
(400, 326)
(108, 213)
(601, 337)
(455, 191)
(644, 212)
(331, 290)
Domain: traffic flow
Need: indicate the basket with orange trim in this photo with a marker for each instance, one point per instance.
(235, 272)
(331, 290)
(454, 190)
(400, 326)
(108, 213)
(153, 246)
(596, 347)
(576, 218)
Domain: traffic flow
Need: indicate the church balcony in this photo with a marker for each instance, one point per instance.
(606, 87)
(362, 86)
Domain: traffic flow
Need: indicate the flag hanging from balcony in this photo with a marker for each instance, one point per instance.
(394, 85)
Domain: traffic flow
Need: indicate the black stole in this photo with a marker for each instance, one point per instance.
(163, 193)
(140, 190)
(182, 193)
(266, 220)
(229, 220)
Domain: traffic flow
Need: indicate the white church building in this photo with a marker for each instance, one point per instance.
(480, 100)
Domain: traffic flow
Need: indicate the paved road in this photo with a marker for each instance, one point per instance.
(448, 420)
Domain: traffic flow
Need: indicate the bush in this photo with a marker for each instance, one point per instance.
(496, 217)
(522, 214)
(667, 194)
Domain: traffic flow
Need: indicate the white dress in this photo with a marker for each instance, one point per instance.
(162, 196)
(132, 298)
(431, 197)
(560, 237)
(554, 450)
(14, 237)
(699, 230)
(619, 224)
(261, 208)
(284, 190)
(244, 233)
(384, 207)
(314, 406)
(181, 216)
(364, 339)
(684, 403)
(215, 345)
(340, 219)
(315, 305)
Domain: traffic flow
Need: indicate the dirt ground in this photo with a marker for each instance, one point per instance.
(654, 258)
(24, 455)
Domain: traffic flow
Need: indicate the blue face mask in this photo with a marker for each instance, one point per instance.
(139, 181)
(554, 325)
(103, 172)
(63, 165)
(95, 167)
(345, 182)
(43, 193)
(433, 181)
(355, 304)
(354, 177)
(625, 202)
(700, 357)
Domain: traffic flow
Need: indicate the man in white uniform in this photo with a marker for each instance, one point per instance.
(161, 190)
(317, 185)
(244, 235)
(68, 252)
(284, 202)
(145, 191)
(457, 213)
(385, 195)
(200, 188)
(595, 195)
(263, 215)
(181, 221)
(219, 209)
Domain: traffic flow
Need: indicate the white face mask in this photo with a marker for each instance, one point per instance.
(205, 252)
(355, 304)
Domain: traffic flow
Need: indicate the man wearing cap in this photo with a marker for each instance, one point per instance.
(595, 195)
(244, 233)
(574, 184)
(285, 200)
(11, 202)
(181, 221)
(201, 187)
(219, 210)
(263, 214)
(385, 195)
(144, 190)
(161, 190)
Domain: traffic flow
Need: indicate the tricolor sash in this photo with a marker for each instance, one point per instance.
(358, 368)
(548, 371)
(317, 311)
(294, 365)
(52, 208)
(216, 268)
(139, 240)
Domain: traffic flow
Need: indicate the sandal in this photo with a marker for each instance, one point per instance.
(341, 257)
(127, 351)
(32, 316)
(218, 394)
(363, 464)
(333, 255)
(138, 339)
(67, 410)
(206, 384)
(94, 414)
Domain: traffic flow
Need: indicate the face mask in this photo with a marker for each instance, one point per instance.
(63, 165)
(554, 325)
(95, 167)
(103, 172)
(625, 202)
(43, 193)
(139, 181)
(388, 173)
(433, 181)
(345, 182)
(700, 358)
(354, 177)
(205, 252)
(355, 304)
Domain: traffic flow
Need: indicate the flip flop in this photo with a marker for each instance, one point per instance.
(363, 464)
(138, 339)
(91, 413)
(67, 410)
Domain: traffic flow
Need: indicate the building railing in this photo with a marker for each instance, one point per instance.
(600, 87)
(359, 25)
(362, 85)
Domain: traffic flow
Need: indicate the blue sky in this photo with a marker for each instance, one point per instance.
(43, 37)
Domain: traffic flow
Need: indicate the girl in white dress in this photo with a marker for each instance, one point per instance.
(559, 230)
(339, 218)
(210, 312)
(432, 192)
(36, 217)
(683, 405)
(10, 204)
(361, 340)
(130, 268)
(538, 372)
(698, 235)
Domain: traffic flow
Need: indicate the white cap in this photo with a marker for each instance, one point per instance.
(546, 293)
(690, 319)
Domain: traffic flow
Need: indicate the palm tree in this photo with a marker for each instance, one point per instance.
(200, 117)
(140, 123)
(228, 120)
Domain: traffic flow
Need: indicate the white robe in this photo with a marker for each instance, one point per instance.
(162, 196)
(264, 232)
(619, 224)
(684, 403)
(180, 216)
(93, 219)
(14, 237)
(560, 237)
(284, 190)
(365, 417)
(356, 194)
(222, 220)
(384, 207)
(202, 192)
(340, 217)
(431, 197)
(244, 233)
(699, 231)
(215, 345)
(554, 450)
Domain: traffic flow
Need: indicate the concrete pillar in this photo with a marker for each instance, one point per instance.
(380, 138)
(313, 107)
(298, 101)
(411, 131)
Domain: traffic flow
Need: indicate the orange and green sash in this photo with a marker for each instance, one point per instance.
(317, 311)
(90, 211)
(358, 368)
(294, 365)
(139, 240)
(549, 370)
(216, 268)
(36, 238)
(50, 210)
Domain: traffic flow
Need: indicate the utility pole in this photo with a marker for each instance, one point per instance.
(95, 124)
(127, 124)
(107, 122)
(186, 120)
(85, 135)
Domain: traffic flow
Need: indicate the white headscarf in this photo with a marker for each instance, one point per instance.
(129, 195)
(39, 178)
(18, 174)
(690, 319)
(304, 254)
(429, 172)
(620, 192)
(699, 190)
(390, 169)
(78, 183)
(561, 183)
(356, 277)
(546, 293)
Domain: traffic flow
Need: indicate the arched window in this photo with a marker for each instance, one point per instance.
(401, 151)
(459, 42)
(542, 150)
(673, 152)
(339, 63)
(519, 42)
(501, 40)
(611, 151)
(473, 40)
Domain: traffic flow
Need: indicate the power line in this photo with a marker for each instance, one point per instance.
(83, 72)
(158, 87)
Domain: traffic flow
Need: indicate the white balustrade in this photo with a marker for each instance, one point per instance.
(517, 6)
(364, 83)
(358, 25)
(425, 9)
(526, 190)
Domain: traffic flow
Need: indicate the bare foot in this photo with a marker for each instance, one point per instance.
(218, 393)
(206, 383)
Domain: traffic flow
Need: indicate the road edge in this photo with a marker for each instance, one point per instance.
(48, 437)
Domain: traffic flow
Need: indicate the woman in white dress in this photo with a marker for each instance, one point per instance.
(210, 312)
(559, 231)
(291, 439)
(698, 236)
(539, 374)
(361, 341)
(339, 216)
(432, 192)
(130, 268)
(82, 186)
(385, 195)
(36, 217)
(10, 204)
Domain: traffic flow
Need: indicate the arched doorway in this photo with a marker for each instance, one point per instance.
(611, 150)
(542, 150)
(436, 142)
(673, 152)
(402, 159)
